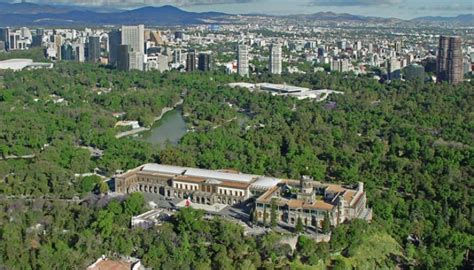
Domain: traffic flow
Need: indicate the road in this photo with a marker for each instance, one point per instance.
(18, 157)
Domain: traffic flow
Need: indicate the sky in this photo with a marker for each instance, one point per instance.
(405, 9)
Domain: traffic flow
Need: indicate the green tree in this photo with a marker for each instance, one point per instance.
(273, 213)
(299, 225)
(103, 187)
(134, 204)
(88, 183)
(265, 216)
(326, 228)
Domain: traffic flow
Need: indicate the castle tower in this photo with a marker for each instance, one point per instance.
(306, 184)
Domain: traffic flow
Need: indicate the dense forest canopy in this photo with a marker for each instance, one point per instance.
(410, 143)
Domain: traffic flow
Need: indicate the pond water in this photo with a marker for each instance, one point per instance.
(171, 128)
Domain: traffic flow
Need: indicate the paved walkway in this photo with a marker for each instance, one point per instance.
(18, 157)
(215, 208)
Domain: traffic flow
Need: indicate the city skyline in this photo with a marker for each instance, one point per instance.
(383, 8)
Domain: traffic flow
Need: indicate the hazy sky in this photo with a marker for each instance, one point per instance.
(383, 8)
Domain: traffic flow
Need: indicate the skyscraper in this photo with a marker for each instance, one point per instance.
(93, 47)
(115, 39)
(455, 61)
(179, 35)
(135, 37)
(177, 56)
(358, 45)
(5, 37)
(14, 38)
(243, 60)
(442, 59)
(135, 60)
(340, 65)
(58, 42)
(371, 47)
(80, 53)
(67, 52)
(393, 69)
(122, 58)
(398, 46)
(191, 61)
(449, 64)
(342, 44)
(204, 62)
(275, 59)
(37, 41)
(320, 52)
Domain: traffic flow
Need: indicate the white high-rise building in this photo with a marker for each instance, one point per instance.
(243, 60)
(275, 59)
(80, 55)
(340, 65)
(135, 37)
(358, 45)
(135, 60)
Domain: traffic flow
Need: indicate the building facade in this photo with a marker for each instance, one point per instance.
(5, 37)
(243, 60)
(275, 65)
(340, 65)
(394, 69)
(115, 40)
(135, 37)
(93, 49)
(135, 61)
(158, 62)
(67, 52)
(312, 202)
(122, 58)
(197, 185)
(308, 199)
(191, 61)
(204, 62)
(80, 53)
(449, 61)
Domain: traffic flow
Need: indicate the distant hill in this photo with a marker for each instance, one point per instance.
(29, 14)
(345, 17)
(165, 15)
(463, 19)
(30, 8)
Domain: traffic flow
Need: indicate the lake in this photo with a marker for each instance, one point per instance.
(171, 128)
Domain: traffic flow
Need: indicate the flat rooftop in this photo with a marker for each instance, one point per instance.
(233, 179)
(287, 90)
(282, 88)
(199, 173)
(20, 63)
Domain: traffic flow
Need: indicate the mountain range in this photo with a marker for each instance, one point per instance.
(29, 14)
